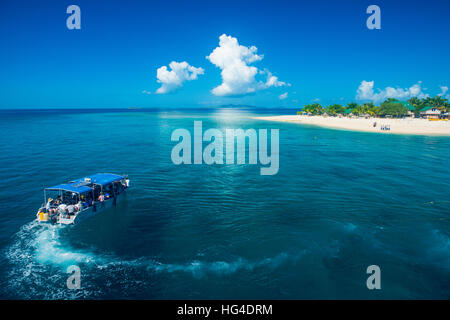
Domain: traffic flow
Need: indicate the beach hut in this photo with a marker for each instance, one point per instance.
(430, 112)
(408, 106)
(348, 113)
(446, 115)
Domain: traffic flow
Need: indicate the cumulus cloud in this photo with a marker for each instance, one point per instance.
(272, 81)
(283, 96)
(444, 90)
(366, 92)
(238, 76)
(179, 72)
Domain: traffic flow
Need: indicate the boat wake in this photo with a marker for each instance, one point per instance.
(39, 259)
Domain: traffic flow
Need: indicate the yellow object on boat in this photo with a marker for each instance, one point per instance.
(43, 216)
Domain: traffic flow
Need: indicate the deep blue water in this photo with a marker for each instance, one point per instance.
(340, 202)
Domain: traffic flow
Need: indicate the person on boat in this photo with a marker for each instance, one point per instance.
(71, 209)
(62, 210)
(48, 204)
(83, 202)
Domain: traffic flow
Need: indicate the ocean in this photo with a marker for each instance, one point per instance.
(340, 202)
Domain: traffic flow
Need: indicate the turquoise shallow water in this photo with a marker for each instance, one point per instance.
(340, 202)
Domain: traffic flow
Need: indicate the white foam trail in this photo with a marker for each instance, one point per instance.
(38, 264)
(50, 250)
(39, 260)
(200, 268)
(41, 243)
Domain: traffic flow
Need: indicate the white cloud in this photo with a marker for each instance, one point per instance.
(238, 77)
(444, 90)
(173, 79)
(272, 81)
(146, 92)
(283, 96)
(365, 92)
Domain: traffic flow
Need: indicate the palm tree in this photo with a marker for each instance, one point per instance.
(438, 102)
(352, 105)
(418, 104)
(314, 108)
(335, 109)
(415, 102)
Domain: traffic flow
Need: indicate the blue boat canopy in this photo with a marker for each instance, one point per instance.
(105, 178)
(72, 187)
(83, 185)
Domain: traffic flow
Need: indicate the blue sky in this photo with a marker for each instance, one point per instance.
(317, 50)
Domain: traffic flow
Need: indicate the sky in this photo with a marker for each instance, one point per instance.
(179, 54)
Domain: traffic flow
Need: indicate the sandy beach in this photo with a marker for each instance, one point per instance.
(397, 126)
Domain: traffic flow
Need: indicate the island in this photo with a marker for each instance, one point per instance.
(428, 116)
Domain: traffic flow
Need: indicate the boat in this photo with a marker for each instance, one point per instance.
(77, 200)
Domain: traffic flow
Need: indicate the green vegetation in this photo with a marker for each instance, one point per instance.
(314, 109)
(390, 107)
(438, 102)
(335, 109)
(367, 109)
